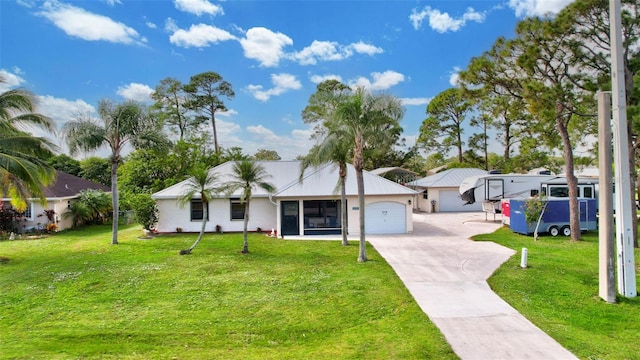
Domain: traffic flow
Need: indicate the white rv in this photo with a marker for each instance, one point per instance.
(493, 188)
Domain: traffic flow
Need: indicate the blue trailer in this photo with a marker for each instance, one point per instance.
(555, 216)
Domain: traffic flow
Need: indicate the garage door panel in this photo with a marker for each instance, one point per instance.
(450, 201)
(385, 218)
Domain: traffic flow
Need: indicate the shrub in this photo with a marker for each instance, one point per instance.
(146, 211)
(533, 209)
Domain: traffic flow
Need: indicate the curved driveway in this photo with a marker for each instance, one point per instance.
(446, 274)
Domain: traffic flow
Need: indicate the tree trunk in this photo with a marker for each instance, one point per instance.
(507, 143)
(572, 181)
(215, 132)
(486, 146)
(245, 244)
(205, 214)
(358, 163)
(114, 199)
(459, 145)
(343, 203)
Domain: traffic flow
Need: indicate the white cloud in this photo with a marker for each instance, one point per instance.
(288, 146)
(265, 46)
(443, 22)
(381, 81)
(332, 51)
(112, 2)
(454, 76)
(323, 50)
(135, 91)
(27, 3)
(198, 7)
(9, 80)
(228, 113)
(525, 8)
(170, 25)
(363, 48)
(225, 128)
(263, 133)
(82, 24)
(415, 101)
(62, 110)
(317, 79)
(151, 25)
(281, 84)
(200, 35)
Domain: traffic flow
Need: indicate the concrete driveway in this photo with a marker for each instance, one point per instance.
(446, 274)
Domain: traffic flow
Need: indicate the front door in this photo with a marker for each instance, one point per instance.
(290, 225)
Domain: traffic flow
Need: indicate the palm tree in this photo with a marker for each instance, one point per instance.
(332, 146)
(118, 125)
(336, 149)
(24, 171)
(202, 183)
(247, 175)
(364, 118)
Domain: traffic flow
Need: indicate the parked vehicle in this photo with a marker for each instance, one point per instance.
(493, 188)
(554, 218)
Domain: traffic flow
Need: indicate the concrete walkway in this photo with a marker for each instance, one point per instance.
(446, 274)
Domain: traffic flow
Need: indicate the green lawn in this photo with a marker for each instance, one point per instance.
(73, 295)
(559, 293)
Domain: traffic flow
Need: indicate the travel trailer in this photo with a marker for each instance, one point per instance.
(492, 189)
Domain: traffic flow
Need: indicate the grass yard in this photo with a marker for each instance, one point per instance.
(559, 293)
(73, 295)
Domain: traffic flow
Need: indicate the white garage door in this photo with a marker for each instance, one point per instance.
(385, 218)
(450, 201)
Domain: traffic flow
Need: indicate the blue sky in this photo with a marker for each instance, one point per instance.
(74, 53)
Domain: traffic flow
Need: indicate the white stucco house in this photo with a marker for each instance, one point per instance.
(440, 191)
(59, 197)
(310, 206)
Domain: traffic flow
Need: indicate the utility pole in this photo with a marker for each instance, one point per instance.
(607, 263)
(624, 223)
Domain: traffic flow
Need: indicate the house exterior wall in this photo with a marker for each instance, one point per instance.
(434, 194)
(38, 220)
(426, 204)
(60, 207)
(172, 216)
(353, 212)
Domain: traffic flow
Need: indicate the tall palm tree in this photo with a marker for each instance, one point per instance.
(364, 118)
(203, 183)
(247, 176)
(336, 149)
(118, 125)
(24, 171)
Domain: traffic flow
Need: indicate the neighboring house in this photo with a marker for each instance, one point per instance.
(59, 196)
(310, 206)
(440, 191)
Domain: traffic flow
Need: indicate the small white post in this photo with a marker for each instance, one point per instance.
(523, 259)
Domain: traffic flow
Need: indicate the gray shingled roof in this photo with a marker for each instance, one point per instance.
(67, 185)
(447, 178)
